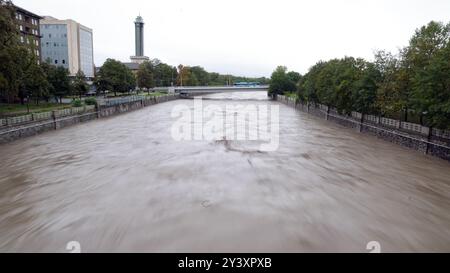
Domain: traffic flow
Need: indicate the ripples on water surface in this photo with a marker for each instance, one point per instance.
(123, 184)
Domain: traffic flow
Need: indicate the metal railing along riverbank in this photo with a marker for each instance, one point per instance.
(39, 117)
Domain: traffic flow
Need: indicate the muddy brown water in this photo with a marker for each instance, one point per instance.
(122, 184)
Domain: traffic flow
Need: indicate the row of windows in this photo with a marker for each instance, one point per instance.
(33, 31)
(36, 52)
(57, 35)
(20, 17)
(62, 61)
(29, 41)
(49, 44)
(54, 26)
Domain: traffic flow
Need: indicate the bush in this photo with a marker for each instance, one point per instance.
(77, 103)
(90, 101)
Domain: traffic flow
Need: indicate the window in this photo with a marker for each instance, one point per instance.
(22, 39)
(36, 42)
(47, 44)
(56, 61)
(37, 52)
(64, 61)
(50, 35)
(21, 28)
(55, 44)
(17, 16)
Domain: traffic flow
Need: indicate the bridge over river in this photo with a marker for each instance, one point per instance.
(218, 89)
(125, 184)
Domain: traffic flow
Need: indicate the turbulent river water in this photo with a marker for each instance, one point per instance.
(124, 184)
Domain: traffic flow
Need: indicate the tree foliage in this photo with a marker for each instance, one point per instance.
(416, 81)
(282, 81)
(80, 86)
(58, 79)
(116, 77)
(144, 76)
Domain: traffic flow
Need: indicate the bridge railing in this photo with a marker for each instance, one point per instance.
(218, 88)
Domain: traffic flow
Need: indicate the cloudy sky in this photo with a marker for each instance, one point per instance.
(244, 37)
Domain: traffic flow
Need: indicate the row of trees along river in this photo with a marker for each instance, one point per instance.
(412, 85)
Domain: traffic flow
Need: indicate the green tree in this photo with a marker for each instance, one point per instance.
(348, 84)
(59, 80)
(183, 75)
(10, 52)
(144, 76)
(79, 84)
(35, 81)
(116, 77)
(192, 79)
(365, 89)
(429, 58)
(201, 77)
(391, 95)
(294, 77)
(280, 82)
(307, 87)
(164, 75)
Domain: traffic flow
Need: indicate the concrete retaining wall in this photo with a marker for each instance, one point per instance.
(414, 136)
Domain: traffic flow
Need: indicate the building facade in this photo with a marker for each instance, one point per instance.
(28, 25)
(69, 44)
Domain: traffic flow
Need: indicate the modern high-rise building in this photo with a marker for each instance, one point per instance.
(139, 41)
(28, 25)
(69, 44)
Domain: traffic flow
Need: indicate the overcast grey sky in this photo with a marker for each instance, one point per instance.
(244, 37)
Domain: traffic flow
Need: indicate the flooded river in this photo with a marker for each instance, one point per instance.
(123, 184)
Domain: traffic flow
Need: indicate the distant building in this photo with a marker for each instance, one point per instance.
(134, 67)
(28, 25)
(69, 44)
